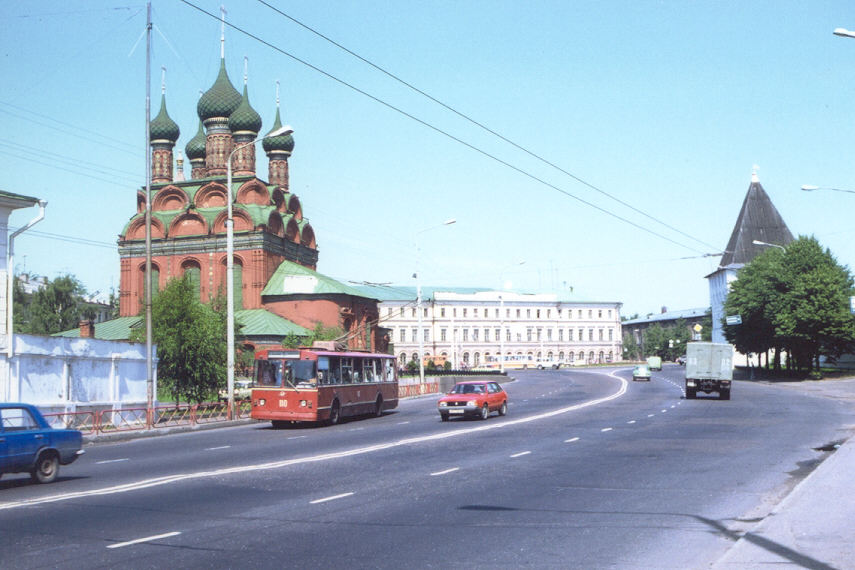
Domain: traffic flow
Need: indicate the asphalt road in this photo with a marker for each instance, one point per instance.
(587, 470)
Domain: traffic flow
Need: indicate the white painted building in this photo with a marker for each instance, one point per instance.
(464, 326)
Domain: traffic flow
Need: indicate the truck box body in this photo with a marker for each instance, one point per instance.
(709, 368)
(709, 361)
(654, 362)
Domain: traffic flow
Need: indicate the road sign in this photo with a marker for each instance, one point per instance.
(733, 320)
(697, 328)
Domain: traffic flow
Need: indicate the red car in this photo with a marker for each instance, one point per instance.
(473, 399)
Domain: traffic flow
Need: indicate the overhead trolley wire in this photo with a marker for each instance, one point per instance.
(440, 131)
(482, 126)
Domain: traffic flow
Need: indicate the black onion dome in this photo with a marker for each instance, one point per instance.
(281, 142)
(244, 118)
(162, 127)
(221, 99)
(196, 147)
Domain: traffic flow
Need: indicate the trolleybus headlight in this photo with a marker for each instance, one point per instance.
(262, 402)
(302, 403)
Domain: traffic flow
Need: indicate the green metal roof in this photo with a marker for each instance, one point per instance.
(260, 322)
(294, 279)
(116, 329)
(284, 143)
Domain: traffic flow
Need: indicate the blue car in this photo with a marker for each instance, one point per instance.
(28, 444)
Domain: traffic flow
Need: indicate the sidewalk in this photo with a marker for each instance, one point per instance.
(814, 526)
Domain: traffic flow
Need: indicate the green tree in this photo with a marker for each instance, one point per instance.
(191, 342)
(796, 300)
(55, 307)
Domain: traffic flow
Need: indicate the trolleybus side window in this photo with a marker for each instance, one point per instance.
(368, 368)
(323, 370)
(346, 370)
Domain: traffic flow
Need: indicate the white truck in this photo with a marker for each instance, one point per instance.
(709, 368)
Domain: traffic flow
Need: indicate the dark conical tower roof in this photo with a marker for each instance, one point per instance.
(221, 99)
(196, 147)
(245, 118)
(758, 220)
(162, 127)
(282, 142)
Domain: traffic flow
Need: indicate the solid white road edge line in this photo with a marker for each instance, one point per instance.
(166, 479)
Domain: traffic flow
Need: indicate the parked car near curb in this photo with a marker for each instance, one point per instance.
(473, 399)
(641, 372)
(28, 444)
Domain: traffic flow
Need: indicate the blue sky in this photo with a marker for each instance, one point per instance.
(664, 106)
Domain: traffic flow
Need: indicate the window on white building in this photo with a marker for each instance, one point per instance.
(474, 335)
(465, 334)
(403, 334)
(528, 335)
(442, 333)
(549, 335)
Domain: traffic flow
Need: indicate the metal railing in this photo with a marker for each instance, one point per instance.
(101, 422)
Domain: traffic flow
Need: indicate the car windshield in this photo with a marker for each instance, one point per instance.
(468, 389)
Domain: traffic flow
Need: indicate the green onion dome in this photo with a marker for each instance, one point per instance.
(162, 127)
(244, 118)
(221, 99)
(196, 147)
(282, 142)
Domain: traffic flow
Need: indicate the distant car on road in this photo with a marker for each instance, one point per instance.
(28, 444)
(641, 372)
(681, 360)
(473, 399)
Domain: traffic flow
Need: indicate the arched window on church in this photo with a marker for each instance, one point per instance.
(155, 281)
(194, 272)
(237, 282)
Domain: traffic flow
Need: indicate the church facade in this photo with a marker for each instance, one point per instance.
(276, 286)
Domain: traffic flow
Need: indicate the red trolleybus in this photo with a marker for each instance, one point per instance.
(312, 385)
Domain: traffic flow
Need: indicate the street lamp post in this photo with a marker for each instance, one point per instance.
(812, 188)
(502, 319)
(230, 268)
(420, 333)
(765, 244)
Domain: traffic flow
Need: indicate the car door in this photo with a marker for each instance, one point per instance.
(494, 394)
(22, 438)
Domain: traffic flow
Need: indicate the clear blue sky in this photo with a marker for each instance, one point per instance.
(666, 106)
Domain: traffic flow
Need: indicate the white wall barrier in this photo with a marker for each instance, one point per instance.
(75, 374)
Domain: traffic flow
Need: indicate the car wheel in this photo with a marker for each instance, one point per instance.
(335, 413)
(690, 393)
(47, 468)
(443, 417)
(503, 409)
(378, 406)
(485, 412)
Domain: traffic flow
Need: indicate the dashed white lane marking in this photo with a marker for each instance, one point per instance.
(663, 411)
(520, 454)
(650, 415)
(606, 429)
(446, 472)
(333, 498)
(243, 469)
(571, 440)
(631, 422)
(402, 423)
(298, 437)
(356, 429)
(111, 461)
(146, 539)
(216, 448)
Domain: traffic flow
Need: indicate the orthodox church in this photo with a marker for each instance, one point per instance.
(277, 288)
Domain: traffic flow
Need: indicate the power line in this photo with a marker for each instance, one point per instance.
(440, 131)
(481, 125)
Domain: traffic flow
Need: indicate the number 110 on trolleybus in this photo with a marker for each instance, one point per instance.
(312, 385)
